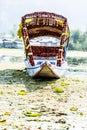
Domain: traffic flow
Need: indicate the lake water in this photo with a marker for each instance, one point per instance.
(77, 66)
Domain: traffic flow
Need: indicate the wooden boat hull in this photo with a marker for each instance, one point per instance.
(47, 70)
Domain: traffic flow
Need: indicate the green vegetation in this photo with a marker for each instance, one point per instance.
(77, 60)
(32, 114)
(78, 40)
(58, 90)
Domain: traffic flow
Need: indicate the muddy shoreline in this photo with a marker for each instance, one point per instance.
(59, 111)
(37, 104)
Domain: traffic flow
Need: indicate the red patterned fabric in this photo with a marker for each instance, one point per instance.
(45, 51)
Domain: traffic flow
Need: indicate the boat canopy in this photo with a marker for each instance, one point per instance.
(44, 24)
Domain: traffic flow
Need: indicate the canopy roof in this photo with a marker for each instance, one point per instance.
(44, 24)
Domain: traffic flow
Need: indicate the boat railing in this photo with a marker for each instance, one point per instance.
(46, 51)
(39, 50)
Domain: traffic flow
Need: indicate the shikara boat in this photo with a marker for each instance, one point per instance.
(45, 59)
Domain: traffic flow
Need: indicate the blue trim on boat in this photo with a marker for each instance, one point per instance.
(34, 67)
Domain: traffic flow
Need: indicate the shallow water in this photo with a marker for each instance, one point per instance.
(76, 74)
(12, 59)
(79, 70)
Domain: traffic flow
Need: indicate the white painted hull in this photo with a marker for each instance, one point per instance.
(47, 69)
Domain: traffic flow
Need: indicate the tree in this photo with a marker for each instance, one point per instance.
(78, 40)
(75, 35)
(13, 32)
